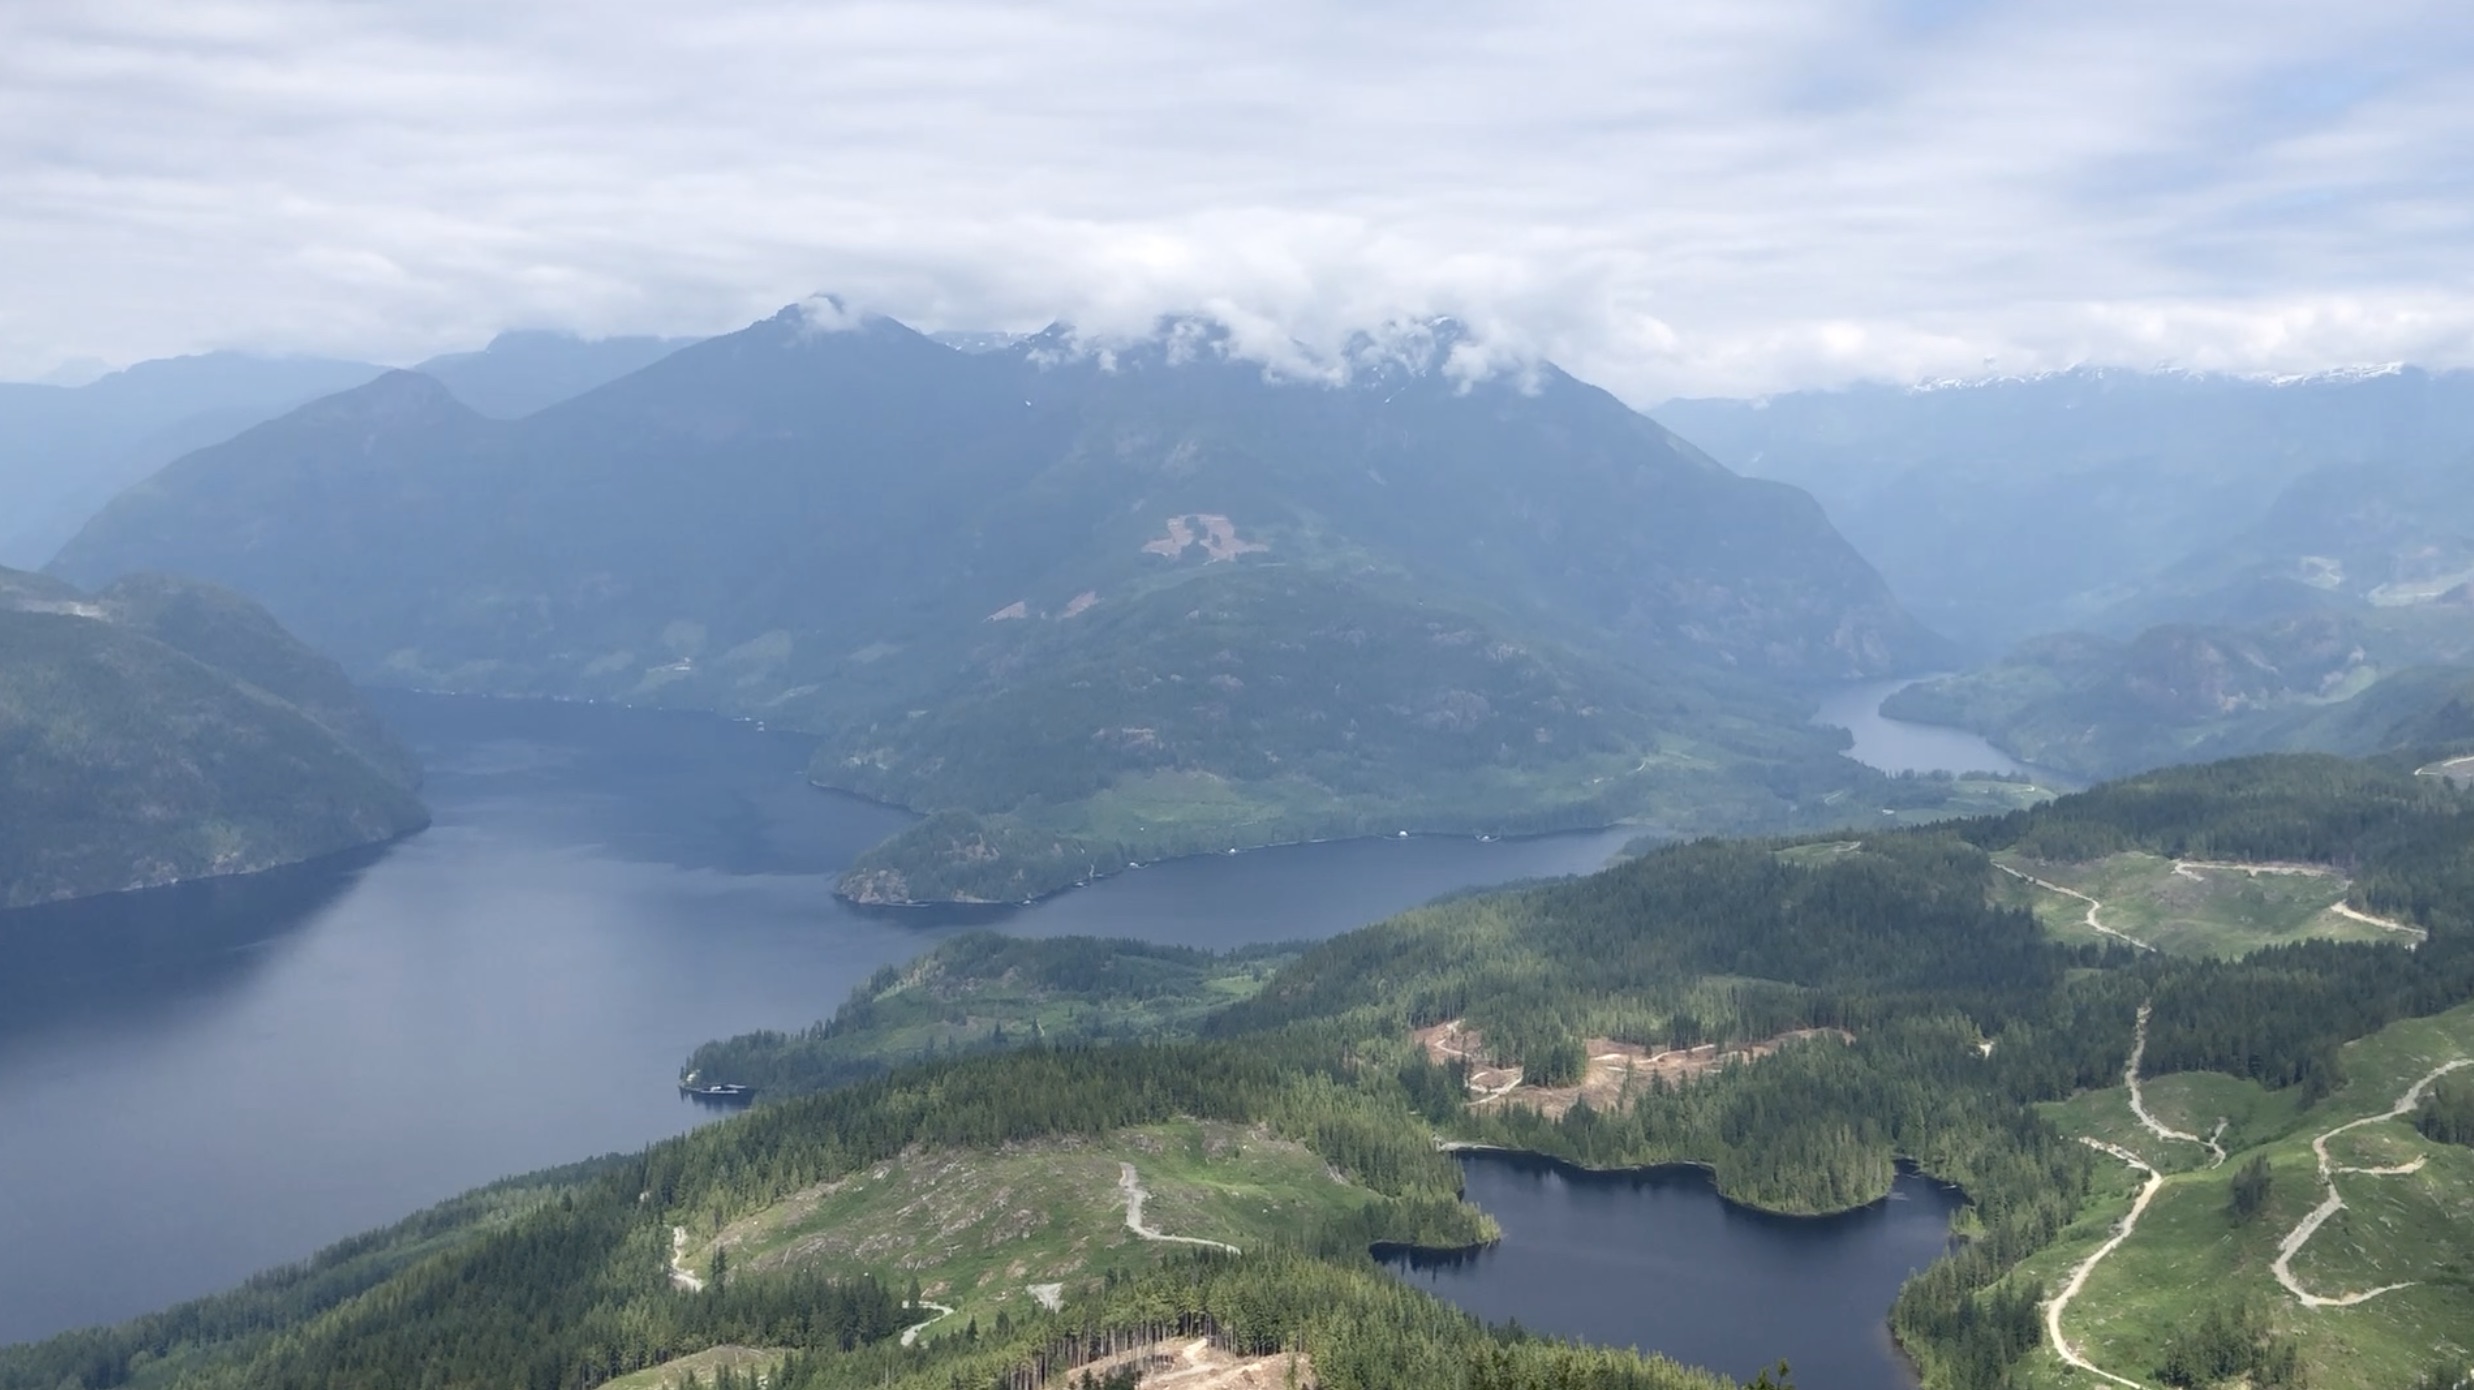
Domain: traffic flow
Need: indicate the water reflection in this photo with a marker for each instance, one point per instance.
(152, 961)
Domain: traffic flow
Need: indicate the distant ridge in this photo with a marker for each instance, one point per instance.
(1090, 602)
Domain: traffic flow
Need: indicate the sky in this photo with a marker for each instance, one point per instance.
(1666, 196)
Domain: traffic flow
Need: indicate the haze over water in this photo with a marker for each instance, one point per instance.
(1896, 745)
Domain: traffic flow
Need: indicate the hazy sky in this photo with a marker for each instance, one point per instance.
(1665, 195)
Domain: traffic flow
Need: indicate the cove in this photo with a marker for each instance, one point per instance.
(1656, 1259)
(1895, 745)
(204, 1081)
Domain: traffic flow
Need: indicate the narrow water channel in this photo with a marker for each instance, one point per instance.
(1895, 745)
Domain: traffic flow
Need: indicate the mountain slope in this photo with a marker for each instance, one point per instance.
(2388, 543)
(2322, 681)
(2339, 621)
(64, 452)
(525, 371)
(143, 741)
(2003, 508)
(1149, 599)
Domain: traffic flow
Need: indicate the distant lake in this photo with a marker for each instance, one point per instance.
(204, 1081)
(1657, 1260)
(1894, 745)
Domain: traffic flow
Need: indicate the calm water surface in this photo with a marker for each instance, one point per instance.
(199, 1083)
(1657, 1260)
(1894, 745)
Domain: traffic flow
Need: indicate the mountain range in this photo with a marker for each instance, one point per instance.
(2341, 621)
(2008, 508)
(64, 451)
(1084, 603)
(162, 730)
(2181, 566)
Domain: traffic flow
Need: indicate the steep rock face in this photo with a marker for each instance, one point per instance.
(1045, 576)
(143, 741)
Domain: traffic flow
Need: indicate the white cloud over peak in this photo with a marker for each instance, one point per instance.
(1706, 195)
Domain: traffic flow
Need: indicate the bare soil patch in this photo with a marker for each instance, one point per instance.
(1215, 533)
(1617, 1070)
(1196, 1364)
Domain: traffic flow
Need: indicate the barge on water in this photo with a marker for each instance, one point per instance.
(715, 1092)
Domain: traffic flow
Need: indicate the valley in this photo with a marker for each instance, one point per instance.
(1081, 696)
(1083, 608)
(602, 892)
(1800, 1018)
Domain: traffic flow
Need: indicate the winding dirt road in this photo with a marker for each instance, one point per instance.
(2060, 1301)
(681, 1277)
(2189, 868)
(911, 1333)
(2139, 1099)
(2078, 1277)
(1131, 1186)
(2346, 911)
(2092, 905)
(2309, 1226)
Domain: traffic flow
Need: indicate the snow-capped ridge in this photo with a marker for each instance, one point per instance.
(1387, 354)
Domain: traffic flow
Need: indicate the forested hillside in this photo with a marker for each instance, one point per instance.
(2114, 500)
(1798, 1015)
(163, 730)
(2322, 680)
(984, 992)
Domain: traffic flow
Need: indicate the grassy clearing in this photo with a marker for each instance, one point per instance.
(982, 1231)
(2198, 911)
(2190, 1253)
(704, 1365)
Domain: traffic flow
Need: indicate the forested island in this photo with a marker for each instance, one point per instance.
(2151, 1030)
(163, 729)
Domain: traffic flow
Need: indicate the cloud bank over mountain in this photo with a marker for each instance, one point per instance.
(1684, 198)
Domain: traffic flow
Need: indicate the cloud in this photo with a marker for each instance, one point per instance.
(1699, 196)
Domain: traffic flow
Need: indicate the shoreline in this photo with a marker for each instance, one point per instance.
(1901, 1166)
(998, 906)
(371, 851)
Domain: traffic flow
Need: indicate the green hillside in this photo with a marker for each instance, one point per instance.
(1797, 1015)
(2322, 681)
(2340, 619)
(2105, 498)
(1087, 605)
(146, 738)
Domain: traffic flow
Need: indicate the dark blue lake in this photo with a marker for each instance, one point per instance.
(201, 1082)
(1657, 1260)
